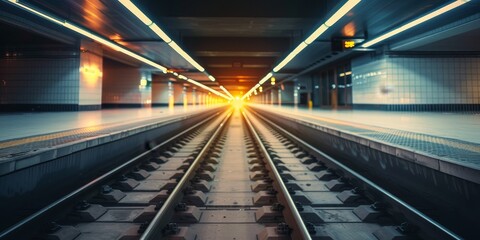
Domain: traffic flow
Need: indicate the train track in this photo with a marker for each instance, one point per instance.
(237, 176)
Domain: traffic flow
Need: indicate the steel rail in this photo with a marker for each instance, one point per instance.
(443, 230)
(300, 225)
(92, 184)
(155, 228)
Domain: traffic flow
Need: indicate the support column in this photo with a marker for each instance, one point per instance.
(288, 97)
(125, 86)
(160, 91)
(279, 97)
(178, 94)
(91, 74)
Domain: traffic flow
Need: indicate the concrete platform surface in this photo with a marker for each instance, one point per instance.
(453, 137)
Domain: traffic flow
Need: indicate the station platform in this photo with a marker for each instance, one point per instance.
(28, 133)
(442, 137)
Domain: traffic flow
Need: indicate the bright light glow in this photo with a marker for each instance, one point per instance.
(341, 12)
(187, 57)
(320, 30)
(160, 33)
(264, 79)
(211, 78)
(415, 22)
(36, 12)
(182, 77)
(175, 74)
(92, 71)
(143, 82)
(226, 91)
(260, 89)
(208, 89)
(290, 56)
(132, 8)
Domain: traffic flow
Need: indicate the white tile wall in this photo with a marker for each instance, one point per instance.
(39, 81)
(408, 80)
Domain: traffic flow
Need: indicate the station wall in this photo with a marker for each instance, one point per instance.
(422, 83)
(122, 86)
(44, 79)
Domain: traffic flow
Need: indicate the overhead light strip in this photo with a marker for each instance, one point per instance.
(157, 30)
(227, 92)
(319, 31)
(90, 35)
(208, 88)
(309, 40)
(415, 22)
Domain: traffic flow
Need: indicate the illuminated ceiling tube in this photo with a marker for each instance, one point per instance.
(264, 79)
(90, 35)
(187, 57)
(290, 56)
(319, 31)
(137, 12)
(157, 30)
(205, 87)
(227, 92)
(211, 78)
(415, 22)
(341, 12)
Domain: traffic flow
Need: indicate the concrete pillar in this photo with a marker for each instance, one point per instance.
(160, 91)
(274, 96)
(334, 91)
(178, 94)
(279, 97)
(288, 97)
(189, 95)
(125, 86)
(193, 96)
(91, 74)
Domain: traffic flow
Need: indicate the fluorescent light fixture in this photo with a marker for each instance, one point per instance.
(187, 57)
(227, 92)
(320, 30)
(36, 12)
(182, 77)
(156, 29)
(114, 46)
(208, 88)
(211, 78)
(290, 56)
(415, 22)
(264, 79)
(92, 36)
(137, 12)
(341, 12)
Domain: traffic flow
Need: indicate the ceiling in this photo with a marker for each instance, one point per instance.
(238, 42)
